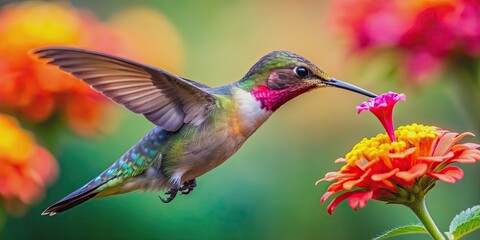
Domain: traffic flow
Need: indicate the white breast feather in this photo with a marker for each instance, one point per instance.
(250, 108)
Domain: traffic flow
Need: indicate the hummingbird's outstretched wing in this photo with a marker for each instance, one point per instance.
(163, 98)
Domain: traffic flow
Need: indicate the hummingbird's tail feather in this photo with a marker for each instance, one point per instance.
(70, 201)
(88, 191)
(127, 174)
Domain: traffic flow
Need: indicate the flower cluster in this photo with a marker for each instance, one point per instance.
(41, 96)
(399, 172)
(398, 167)
(426, 31)
(26, 168)
(34, 92)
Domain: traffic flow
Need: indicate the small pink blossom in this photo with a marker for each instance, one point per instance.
(382, 107)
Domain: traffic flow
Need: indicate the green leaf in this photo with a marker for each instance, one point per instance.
(465, 222)
(408, 229)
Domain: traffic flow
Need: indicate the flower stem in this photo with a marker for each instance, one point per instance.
(420, 209)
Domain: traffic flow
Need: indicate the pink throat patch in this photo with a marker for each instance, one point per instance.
(272, 99)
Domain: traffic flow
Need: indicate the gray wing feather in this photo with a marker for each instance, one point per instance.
(163, 98)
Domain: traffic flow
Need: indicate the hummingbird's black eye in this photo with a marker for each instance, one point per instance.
(301, 72)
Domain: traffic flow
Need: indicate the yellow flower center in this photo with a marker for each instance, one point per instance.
(16, 145)
(380, 146)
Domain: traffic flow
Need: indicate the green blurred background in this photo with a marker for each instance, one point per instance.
(266, 190)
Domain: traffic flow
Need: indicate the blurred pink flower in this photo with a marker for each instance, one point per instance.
(469, 26)
(368, 22)
(425, 31)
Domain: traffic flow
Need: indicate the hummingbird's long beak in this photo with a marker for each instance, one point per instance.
(339, 84)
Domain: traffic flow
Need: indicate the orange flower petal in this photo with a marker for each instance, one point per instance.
(471, 145)
(337, 201)
(464, 160)
(472, 154)
(460, 147)
(359, 199)
(403, 154)
(449, 174)
(443, 143)
(467, 156)
(348, 185)
(437, 158)
(382, 176)
(414, 172)
(326, 196)
(389, 185)
(330, 176)
(446, 142)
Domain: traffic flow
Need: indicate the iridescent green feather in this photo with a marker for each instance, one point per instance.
(134, 162)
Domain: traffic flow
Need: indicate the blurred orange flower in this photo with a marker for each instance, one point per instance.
(401, 171)
(26, 168)
(35, 92)
(160, 45)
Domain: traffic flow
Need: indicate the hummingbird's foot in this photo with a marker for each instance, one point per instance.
(185, 189)
(172, 192)
(188, 186)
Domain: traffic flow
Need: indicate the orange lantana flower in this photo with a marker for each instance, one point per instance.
(26, 168)
(34, 92)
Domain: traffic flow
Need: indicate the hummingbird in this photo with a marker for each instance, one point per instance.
(197, 127)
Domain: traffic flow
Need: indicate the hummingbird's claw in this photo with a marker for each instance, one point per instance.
(188, 186)
(172, 192)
